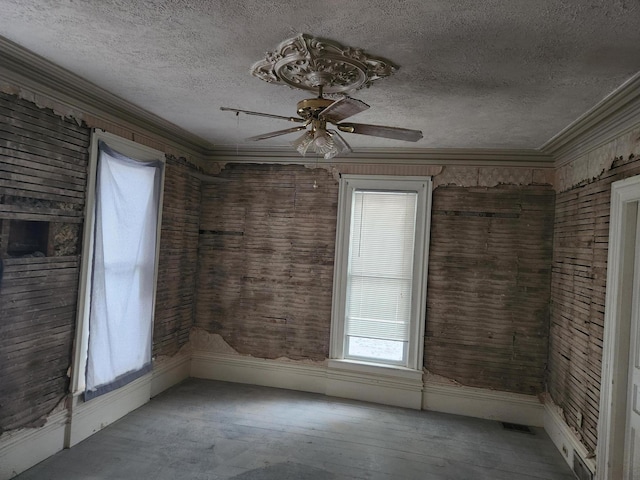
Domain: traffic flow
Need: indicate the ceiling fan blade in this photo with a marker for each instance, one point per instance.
(264, 136)
(381, 131)
(343, 108)
(259, 114)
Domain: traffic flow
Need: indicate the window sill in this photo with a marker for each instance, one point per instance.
(375, 369)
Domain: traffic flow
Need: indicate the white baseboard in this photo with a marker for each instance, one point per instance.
(89, 417)
(25, 448)
(305, 377)
(170, 372)
(21, 450)
(375, 384)
(482, 403)
(404, 390)
(258, 371)
(564, 439)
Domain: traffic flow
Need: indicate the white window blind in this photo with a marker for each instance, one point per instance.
(380, 275)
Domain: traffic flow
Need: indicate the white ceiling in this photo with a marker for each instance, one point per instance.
(473, 74)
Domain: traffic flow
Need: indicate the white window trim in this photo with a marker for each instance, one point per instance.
(348, 183)
(132, 150)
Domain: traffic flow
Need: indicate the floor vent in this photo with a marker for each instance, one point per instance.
(516, 427)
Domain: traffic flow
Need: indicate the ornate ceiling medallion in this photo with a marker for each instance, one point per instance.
(307, 63)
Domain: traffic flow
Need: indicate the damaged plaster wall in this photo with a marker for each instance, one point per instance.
(266, 266)
(43, 173)
(177, 265)
(116, 126)
(581, 235)
(488, 286)
(266, 260)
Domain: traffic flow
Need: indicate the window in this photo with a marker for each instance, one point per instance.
(120, 256)
(380, 270)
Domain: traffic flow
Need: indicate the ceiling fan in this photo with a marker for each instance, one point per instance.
(317, 113)
(322, 66)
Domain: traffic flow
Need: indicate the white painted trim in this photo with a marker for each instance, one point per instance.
(24, 69)
(483, 403)
(349, 184)
(81, 341)
(615, 351)
(137, 152)
(375, 369)
(90, 417)
(170, 372)
(565, 439)
(130, 148)
(398, 156)
(370, 386)
(385, 386)
(258, 371)
(22, 449)
(616, 114)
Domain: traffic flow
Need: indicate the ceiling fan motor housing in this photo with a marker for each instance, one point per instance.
(310, 108)
(308, 63)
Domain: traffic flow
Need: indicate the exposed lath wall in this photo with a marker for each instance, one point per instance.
(266, 260)
(178, 258)
(581, 236)
(266, 263)
(591, 166)
(488, 289)
(43, 170)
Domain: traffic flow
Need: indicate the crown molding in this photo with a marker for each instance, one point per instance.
(616, 114)
(22, 68)
(399, 156)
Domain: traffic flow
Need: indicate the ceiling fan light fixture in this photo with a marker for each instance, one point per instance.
(341, 145)
(302, 143)
(321, 142)
(308, 63)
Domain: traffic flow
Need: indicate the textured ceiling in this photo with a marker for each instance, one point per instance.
(473, 74)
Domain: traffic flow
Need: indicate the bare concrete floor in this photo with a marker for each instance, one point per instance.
(209, 430)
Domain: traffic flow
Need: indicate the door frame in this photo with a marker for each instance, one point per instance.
(625, 195)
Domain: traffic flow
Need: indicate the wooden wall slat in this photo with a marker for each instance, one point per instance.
(578, 286)
(266, 260)
(488, 287)
(266, 267)
(43, 172)
(43, 164)
(28, 109)
(177, 267)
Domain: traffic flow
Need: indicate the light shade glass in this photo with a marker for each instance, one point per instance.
(303, 143)
(321, 142)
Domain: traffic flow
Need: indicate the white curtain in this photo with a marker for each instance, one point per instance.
(121, 308)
